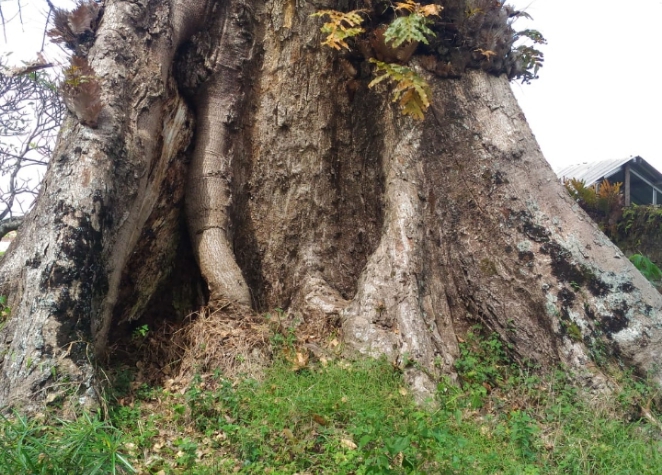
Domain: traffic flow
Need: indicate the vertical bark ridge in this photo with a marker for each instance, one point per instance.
(316, 157)
(386, 316)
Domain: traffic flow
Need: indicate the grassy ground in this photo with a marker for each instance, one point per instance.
(339, 417)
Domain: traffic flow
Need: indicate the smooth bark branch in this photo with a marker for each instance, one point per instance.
(209, 191)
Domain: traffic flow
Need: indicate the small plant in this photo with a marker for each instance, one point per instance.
(340, 27)
(574, 332)
(5, 311)
(86, 446)
(414, 25)
(141, 332)
(531, 57)
(411, 91)
(481, 365)
(81, 91)
(522, 433)
(647, 268)
(604, 205)
(283, 335)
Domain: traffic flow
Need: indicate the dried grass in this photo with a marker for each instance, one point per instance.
(227, 339)
(230, 339)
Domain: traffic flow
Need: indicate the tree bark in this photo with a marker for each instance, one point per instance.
(308, 191)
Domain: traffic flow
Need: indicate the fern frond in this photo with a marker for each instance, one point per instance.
(341, 25)
(407, 29)
(416, 8)
(411, 91)
(414, 25)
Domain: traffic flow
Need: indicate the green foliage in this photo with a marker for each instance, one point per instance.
(531, 58)
(141, 332)
(78, 73)
(605, 205)
(5, 311)
(339, 417)
(639, 231)
(283, 332)
(413, 26)
(411, 91)
(641, 219)
(534, 35)
(647, 267)
(522, 433)
(358, 418)
(480, 365)
(340, 27)
(407, 29)
(586, 196)
(84, 446)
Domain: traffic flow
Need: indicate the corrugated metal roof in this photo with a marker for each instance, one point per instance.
(591, 172)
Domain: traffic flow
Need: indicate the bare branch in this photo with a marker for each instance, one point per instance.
(30, 115)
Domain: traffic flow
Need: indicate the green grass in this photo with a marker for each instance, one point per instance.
(85, 446)
(354, 418)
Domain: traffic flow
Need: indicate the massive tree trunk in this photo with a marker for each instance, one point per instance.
(303, 189)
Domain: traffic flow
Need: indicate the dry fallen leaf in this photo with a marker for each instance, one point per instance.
(320, 420)
(348, 444)
(300, 361)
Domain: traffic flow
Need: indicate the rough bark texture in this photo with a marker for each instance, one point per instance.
(109, 192)
(310, 192)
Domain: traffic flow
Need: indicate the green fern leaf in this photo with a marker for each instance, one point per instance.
(407, 29)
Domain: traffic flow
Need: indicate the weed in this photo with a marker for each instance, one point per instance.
(141, 332)
(647, 268)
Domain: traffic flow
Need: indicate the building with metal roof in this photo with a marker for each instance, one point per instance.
(642, 182)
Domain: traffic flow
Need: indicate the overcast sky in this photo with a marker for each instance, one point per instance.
(599, 95)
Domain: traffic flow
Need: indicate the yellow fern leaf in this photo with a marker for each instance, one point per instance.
(408, 5)
(418, 9)
(341, 25)
(411, 91)
(431, 10)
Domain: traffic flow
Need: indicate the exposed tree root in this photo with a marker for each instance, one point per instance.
(209, 191)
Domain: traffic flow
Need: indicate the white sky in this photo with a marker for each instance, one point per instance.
(599, 95)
